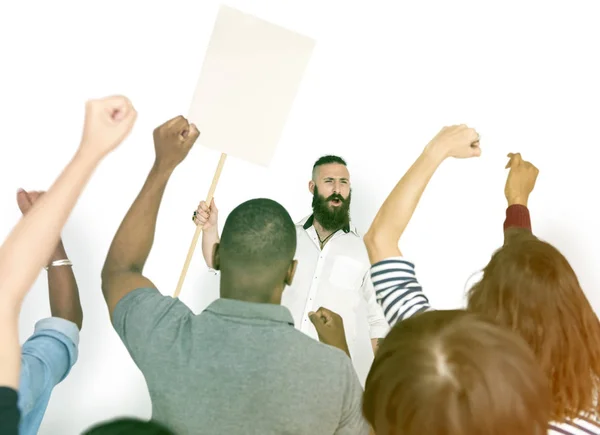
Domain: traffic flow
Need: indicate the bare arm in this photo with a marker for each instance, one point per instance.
(34, 238)
(29, 245)
(395, 213)
(390, 222)
(375, 344)
(122, 272)
(210, 238)
(27, 250)
(63, 290)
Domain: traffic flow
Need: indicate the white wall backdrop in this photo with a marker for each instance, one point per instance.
(385, 76)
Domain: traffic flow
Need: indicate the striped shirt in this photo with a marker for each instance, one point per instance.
(397, 289)
(579, 426)
(400, 295)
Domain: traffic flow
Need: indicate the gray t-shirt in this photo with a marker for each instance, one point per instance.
(237, 368)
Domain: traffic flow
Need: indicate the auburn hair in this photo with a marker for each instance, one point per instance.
(455, 373)
(530, 287)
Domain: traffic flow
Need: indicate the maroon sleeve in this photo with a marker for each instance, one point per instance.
(517, 216)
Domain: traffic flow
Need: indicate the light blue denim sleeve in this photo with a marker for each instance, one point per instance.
(46, 359)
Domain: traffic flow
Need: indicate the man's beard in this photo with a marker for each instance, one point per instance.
(331, 218)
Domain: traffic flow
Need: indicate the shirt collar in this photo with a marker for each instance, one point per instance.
(251, 310)
(308, 222)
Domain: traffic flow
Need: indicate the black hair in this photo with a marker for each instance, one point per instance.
(259, 235)
(326, 160)
(128, 426)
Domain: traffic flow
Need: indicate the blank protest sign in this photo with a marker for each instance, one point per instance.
(249, 79)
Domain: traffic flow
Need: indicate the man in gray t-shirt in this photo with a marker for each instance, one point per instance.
(239, 367)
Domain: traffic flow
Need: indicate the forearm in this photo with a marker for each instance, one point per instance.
(33, 239)
(134, 238)
(209, 239)
(10, 349)
(395, 213)
(375, 344)
(63, 290)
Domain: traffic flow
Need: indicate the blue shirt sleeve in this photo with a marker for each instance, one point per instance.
(46, 359)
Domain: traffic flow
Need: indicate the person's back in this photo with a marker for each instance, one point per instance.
(240, 366)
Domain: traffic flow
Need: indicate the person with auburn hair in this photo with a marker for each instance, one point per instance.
(528, 285)
(449, 372)
(454, 372)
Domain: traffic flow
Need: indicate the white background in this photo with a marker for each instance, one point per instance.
(384, 78)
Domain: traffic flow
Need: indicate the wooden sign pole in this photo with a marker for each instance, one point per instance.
(190, 253)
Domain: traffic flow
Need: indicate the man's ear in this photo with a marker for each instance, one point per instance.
(311, 187)
(216, 257)
(289, 276)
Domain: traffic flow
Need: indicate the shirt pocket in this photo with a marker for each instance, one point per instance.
(346, 273)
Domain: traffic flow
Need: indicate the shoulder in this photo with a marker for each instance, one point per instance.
(317, 353)
(142, 298)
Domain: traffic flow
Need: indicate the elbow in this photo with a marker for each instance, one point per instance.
(208, 261)
(107, 276)
(372, 239)
(112, 268)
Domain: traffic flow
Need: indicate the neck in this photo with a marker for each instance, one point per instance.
(245, 293)
(245, 298)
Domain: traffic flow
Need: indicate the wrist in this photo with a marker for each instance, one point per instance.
(163, 168)
(86, 154)
(212, 230)
(343, 346)
(435, 152)
(517, 200)
(59, 253)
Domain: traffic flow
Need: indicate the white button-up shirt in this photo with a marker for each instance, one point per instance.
(336, 278)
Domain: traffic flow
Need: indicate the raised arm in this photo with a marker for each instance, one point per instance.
(390, 222)
(62, 286)
(394, 280)
(520, 183)
(122, 272)
(31, 243)
(208, 219)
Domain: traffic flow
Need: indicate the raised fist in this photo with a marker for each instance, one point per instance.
(173, 140)
(457, 141)
(330, 328)
(520, 181)
(108, 121)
